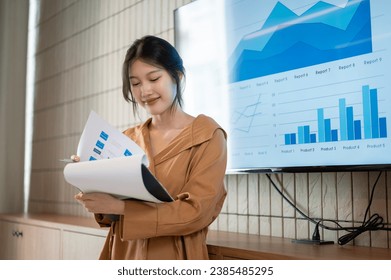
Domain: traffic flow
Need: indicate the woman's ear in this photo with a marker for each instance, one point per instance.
(181, 77)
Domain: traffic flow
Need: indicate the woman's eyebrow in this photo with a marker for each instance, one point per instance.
(149, 73)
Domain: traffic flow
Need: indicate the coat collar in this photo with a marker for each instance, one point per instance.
(200, 130)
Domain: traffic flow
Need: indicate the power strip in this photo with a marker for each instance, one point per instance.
(310, 241)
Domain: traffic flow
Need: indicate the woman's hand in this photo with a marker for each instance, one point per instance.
(101, 203)
(75, 158)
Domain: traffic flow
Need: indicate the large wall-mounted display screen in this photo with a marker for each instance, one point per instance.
(297, 84)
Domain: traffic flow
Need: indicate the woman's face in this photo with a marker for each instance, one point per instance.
(152, 87)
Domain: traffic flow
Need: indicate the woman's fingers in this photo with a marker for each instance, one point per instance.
(75, 158)
(101, 203)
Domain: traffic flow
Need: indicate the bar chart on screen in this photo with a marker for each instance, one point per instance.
(306, 83)
(368, 126)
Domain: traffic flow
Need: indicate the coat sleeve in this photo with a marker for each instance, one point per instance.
(194, 208)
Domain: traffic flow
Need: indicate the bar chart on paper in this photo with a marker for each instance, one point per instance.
(370, 125)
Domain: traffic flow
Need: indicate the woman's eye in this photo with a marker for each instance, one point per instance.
(155, 79)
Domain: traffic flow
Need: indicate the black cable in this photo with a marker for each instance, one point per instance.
(375, 222)
(290, 202)
(316, 234)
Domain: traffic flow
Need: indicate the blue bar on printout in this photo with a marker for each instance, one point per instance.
(100, 144)
(104, 135)
(127, 153)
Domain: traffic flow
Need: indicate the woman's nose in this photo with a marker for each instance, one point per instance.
(145, 89)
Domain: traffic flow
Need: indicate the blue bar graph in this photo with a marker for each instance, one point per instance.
(374, 113)
(383, 127)
(370, 127)
(343, 119)
(357, 129)
(321, 126)
(366, 102)
(349, 122)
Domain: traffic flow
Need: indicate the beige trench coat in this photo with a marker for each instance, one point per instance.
(192, 168)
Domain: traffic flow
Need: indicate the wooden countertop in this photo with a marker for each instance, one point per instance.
(225, 245)
(65, 222)
(247, 246)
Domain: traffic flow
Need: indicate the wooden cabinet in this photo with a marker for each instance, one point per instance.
(49, 237)
(26, 242)
(81, 246)
(8, 239)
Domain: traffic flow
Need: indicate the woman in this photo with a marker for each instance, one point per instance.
(187, 155)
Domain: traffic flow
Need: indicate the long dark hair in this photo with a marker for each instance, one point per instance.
(158, 52)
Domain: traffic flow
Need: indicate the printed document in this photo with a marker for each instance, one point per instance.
(111, 162)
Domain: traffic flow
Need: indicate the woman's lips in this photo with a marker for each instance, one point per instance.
(151, 101)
